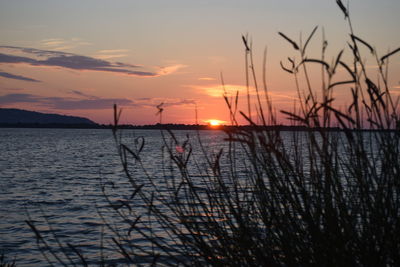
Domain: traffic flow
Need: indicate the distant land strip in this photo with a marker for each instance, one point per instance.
(18, 118)
(171, 126)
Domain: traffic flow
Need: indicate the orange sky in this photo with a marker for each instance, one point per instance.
(81, 57)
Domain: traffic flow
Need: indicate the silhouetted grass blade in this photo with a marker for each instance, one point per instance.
(355, 38)
(309, 38)
(390, 54)
(295, 46)
(343, 8)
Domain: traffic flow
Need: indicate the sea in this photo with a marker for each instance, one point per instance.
(54, 179)
(63, 185)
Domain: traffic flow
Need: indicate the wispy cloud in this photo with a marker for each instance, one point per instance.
(217, 90)
(106, 56)
(38, 57)
(70, 61)
(16, 77)
(395, 90)
(179, 102)
(52, 42)
(82, 94)
(60, 44)
(111, 53)
(82, 101)
(17, 98)
(170, 69)
(64, 103)
(206, 79)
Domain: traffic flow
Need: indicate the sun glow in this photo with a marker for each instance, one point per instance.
(214, 123)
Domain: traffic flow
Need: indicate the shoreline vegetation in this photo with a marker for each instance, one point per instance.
(189, 127)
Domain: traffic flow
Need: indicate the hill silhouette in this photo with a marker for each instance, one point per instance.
(19, 116)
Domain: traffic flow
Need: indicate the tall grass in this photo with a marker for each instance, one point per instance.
(271, 198)
(318, 197)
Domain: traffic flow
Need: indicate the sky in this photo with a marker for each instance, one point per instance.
(80, 57)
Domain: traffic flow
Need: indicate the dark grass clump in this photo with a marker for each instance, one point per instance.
(328, 196)
(321, 197)
(271, 198)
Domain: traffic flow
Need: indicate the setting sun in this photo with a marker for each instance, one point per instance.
(213, 122)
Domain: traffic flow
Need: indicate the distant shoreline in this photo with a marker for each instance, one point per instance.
(18, 118)
(159, 126)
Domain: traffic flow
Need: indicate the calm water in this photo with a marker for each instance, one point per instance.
(55, 176)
